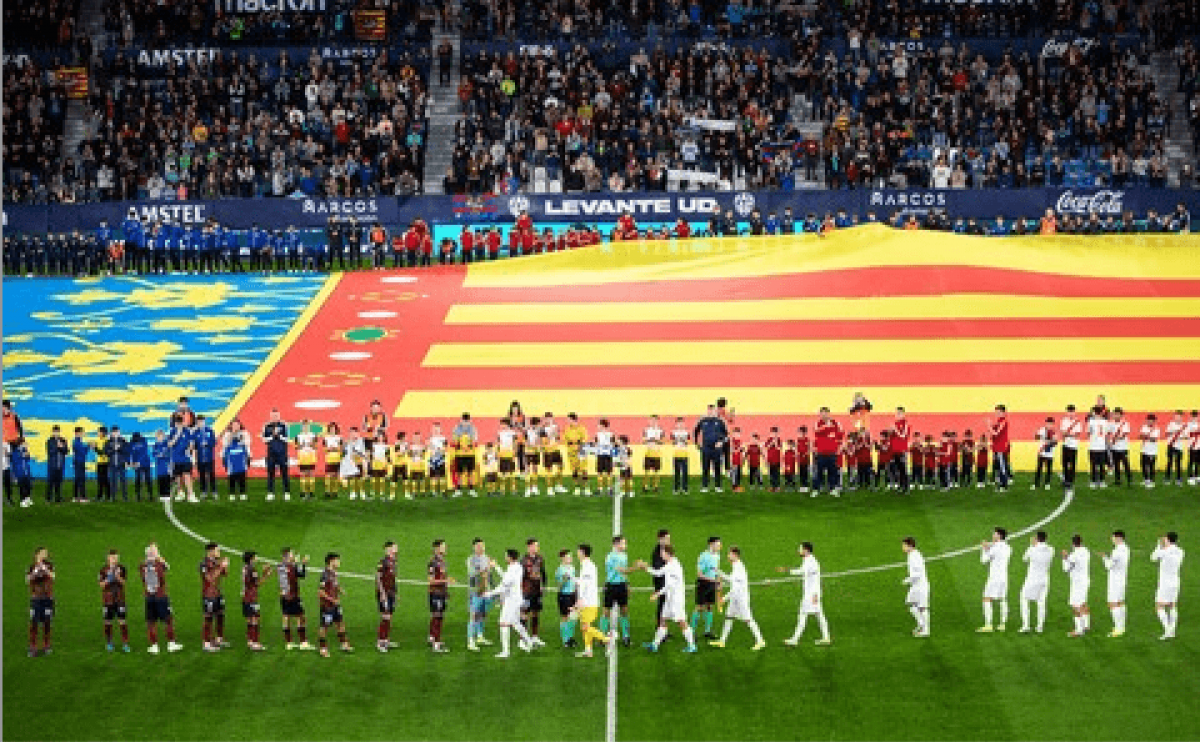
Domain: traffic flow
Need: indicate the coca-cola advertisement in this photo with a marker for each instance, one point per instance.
(1101, 202)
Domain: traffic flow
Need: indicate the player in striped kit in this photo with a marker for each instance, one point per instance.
(1176, 443)
(996, 554)
(1038, 555)
(1070, 429)
(1117, 565)
(653, 437)
(1193, 435)
(306, 459)
(1149, 436)
(810, 601)
(738, 601)
(291, 571)
(1045, 458)
(1097, 432)
(1118, 447)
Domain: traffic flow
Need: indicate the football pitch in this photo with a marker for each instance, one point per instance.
(875, 682)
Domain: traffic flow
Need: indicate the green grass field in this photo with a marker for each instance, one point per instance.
(875, 682)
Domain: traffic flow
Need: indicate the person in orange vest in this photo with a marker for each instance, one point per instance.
(14, 433)
(377, 236)
(1048, 223)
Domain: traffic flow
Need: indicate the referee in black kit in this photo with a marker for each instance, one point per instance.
(657, 560)
(275, 435)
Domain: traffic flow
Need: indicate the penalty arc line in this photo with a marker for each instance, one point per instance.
(1062, 506)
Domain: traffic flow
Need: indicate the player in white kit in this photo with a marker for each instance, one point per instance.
(996, 554)
(509, 592)
(810, 603)
(1170, 558)
(1117, 565)
(1038, 556)
(737, 601)
(1077, 564)
(918, 587)
(674, 607)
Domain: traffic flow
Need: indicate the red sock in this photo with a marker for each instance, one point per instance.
(207, 630)
(221, 626)
(385, 626)
(303, 631)
(108, 632)
(152, 629)
(533, 624)
(125, 633)
(170, 629)
(249, 632)
(254, 629)
(46, 636)
(437, 629)
(33, 636)
(287, 634)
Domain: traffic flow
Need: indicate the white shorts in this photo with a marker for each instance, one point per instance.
(808, 606)
(995, 590)
(674, 610)
(1167, 594)
(1034, 591)
(1116, 593)
(738, 608)
(1078, 595)
(510, 612)
(918, 596)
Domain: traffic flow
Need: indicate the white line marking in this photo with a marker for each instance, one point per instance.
(1062, 506)
(610, 722)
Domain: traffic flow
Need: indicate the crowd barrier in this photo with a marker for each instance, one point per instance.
(603, 208)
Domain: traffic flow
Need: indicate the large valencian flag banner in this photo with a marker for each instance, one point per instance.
(947, 326)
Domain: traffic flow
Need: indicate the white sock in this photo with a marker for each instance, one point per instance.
(987, 613)
(1087, 621)
(916, 613)
(1118, 615)
(821, 622)
(504, 639)
(925, 620)
(1041, 613)
(801, 619)
(1004, 611)
(1079, 624)
(521, 632)
(688, 636)
(1173, 614)
(726, 629)
(1024, 613)
(1165, 620)
(659, 636)
(758, 639)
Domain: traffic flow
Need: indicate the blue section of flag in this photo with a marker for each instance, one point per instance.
(122, 350)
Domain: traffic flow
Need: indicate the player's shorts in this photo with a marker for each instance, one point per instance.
(552, 458)
(1034, 591)
(291, 607)
(180, 469)
(1167, 594)
(251, 610)
(531, 602)
(918, 596)
(588, 615)
(379, 472)
(995, 590)
(738, 608)
(652, 463)
(808, 606)
(604, 464)
(416, 476)
(333, 467)
(508, 465)
(510, 613)
(158, 609)
(706, 592)
(41, 610)
(307, 468)
(1116, 593)
(464, 464)
(566, 604)
(437, 471)
(437, 602)
(331, 615)
(533, 459)
(213, 606)
(387, 603)
(674, 610)
(1078, 595)
(399, 473)
(616, 593)
(114, 611)
(491, 477)
(479, 605)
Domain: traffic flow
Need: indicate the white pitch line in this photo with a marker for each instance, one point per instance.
(1062, 506)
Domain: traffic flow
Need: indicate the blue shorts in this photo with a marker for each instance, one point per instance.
(479, 605)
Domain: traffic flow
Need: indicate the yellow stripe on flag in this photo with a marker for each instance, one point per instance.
(762, 352)
(805, 401)
(948, 306)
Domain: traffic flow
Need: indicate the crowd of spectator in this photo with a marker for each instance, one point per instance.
(158, 24)
(946, 117)
(48, 24)
(35, 109)
(240, 126)
(707, 113)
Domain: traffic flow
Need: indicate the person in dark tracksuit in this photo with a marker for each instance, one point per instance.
(79, 456)
(102, 481)
(354, 243)
(117, 450)
(161, 451)
(334, 241)
(275, 435)
(160, 245)
(135, 243)
(260, 242)
(56, 464)
(143, 466)
(710, 434)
